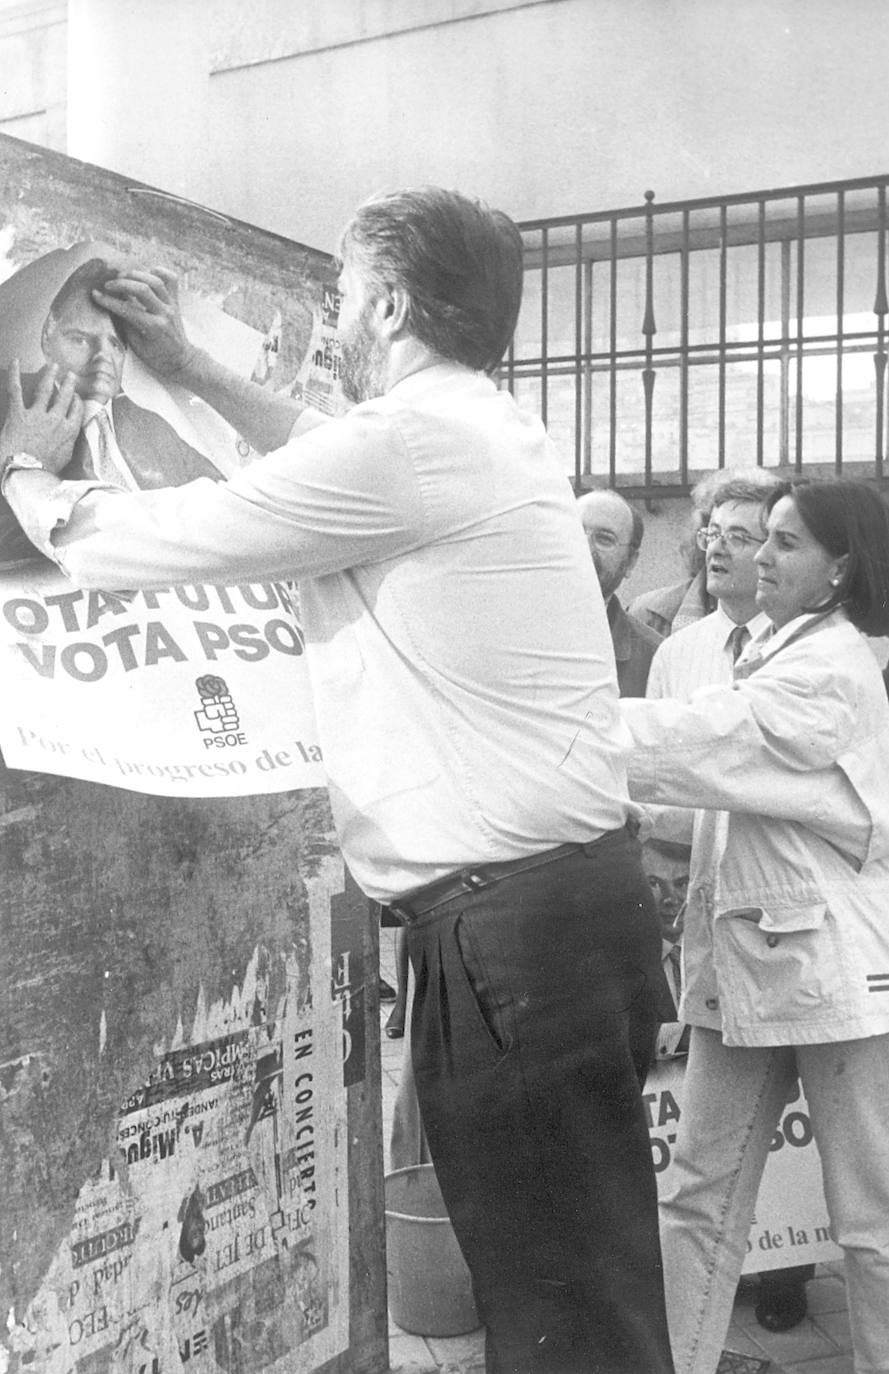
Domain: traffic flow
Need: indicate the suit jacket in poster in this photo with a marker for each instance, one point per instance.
(156, 454)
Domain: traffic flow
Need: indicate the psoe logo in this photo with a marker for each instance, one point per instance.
(218, 719)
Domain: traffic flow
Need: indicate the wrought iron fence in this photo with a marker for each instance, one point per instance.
(660, 341)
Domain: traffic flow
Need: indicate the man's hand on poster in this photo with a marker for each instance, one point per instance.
(48, 427)
(146, 302)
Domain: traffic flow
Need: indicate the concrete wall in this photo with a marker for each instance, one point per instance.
(33, 71)
(543, 108)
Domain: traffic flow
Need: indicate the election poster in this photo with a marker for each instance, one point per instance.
(195, 690)
(189, 691)
(192, 1179)
(317, 382)
(791, 1225)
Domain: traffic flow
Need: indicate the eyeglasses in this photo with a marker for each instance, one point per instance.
(606, 541)
(736, 540)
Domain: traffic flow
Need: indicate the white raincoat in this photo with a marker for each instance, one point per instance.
(787, 926)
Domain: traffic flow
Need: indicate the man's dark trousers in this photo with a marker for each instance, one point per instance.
(535, 1009)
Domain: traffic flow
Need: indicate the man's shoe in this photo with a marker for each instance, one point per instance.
(781, 1308)
(387, 992)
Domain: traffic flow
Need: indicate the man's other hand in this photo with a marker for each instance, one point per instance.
(48, 427)
(146, 303)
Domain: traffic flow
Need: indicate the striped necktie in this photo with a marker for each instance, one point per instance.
(109, 464)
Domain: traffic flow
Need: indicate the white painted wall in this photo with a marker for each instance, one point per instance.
(288, 113)
(33, 71)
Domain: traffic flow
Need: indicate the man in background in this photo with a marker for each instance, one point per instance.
(614, 531)
(670, 608)
(703, 654)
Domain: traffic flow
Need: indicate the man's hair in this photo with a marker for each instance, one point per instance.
(638, 529)
(744, 489)
(459, 263)
(848, 518)
(709, 491)
(668, 849)
(638, 526)
(89, 275)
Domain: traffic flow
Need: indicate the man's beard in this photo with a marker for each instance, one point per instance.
(362, 362)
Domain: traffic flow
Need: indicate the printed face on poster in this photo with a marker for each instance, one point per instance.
(203, 1220)
(198, 691)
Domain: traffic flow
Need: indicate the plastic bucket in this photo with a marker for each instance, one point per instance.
(430, 1292)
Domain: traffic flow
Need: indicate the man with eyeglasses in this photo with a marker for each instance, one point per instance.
(703, 654)
(614, 532)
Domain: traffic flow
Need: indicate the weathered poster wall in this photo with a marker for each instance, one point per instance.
(190, 1171)
(189, 1106)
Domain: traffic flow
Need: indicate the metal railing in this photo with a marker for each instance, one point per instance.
(657, 341)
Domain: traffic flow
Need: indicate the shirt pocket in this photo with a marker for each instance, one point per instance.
(779, 968)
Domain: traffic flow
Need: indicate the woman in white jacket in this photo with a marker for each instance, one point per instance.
(786, 944)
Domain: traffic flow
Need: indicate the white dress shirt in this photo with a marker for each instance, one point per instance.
(458, 648)
(699, 655)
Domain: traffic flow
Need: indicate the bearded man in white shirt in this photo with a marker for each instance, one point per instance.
(467, 704)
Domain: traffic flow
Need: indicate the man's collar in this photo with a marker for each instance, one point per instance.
(756, 624)
(432, 375)
(92, 408)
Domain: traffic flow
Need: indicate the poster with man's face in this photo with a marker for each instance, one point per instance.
(177, 1189)
(139, 431)
(192, 690)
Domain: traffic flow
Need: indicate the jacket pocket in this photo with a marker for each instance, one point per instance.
(777, 968)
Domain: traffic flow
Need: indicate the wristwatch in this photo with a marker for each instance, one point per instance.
(18, 462)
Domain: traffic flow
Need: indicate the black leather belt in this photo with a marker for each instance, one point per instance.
(424, 899)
